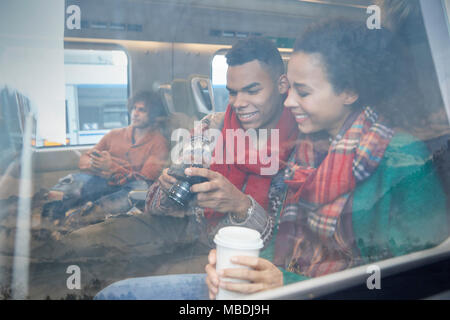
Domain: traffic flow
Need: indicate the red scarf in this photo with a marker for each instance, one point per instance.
(247, 174)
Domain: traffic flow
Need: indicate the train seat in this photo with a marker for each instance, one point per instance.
(202, 93)
(183, 101)
(187, 100)
(165, 92)
(193, 96)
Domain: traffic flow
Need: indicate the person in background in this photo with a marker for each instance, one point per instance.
(90, 237)
(125, 159)
(137, 152)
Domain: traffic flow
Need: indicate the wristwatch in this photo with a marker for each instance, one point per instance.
(250, 211)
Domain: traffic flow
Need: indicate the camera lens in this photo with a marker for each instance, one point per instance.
(180, 192)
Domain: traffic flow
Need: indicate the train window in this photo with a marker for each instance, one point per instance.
(219, 69)
(96, 93)
(81, 241)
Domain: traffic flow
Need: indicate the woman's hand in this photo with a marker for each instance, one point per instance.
(212, 279)
(218, 193)
(262, 275)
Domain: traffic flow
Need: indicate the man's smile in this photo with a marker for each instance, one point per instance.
(247, 117)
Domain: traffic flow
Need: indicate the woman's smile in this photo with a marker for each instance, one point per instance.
(300, 118)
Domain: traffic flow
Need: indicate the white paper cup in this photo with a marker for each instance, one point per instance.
(231, 242)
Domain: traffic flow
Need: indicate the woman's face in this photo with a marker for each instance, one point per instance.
(311, 96)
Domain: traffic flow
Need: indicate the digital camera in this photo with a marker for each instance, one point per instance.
(180, 191)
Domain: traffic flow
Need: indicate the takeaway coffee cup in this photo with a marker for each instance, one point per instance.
(231, 242)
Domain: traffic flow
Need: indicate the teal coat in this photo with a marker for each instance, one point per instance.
(400, 209)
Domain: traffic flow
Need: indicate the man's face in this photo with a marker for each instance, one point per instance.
(254, 95)
(139, 115)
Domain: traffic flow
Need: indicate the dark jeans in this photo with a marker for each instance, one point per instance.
(80, 188)
(94, 186)
(97, 189)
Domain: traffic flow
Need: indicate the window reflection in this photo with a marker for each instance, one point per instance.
(96, 83)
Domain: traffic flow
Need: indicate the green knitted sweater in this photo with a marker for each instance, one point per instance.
(400, 209)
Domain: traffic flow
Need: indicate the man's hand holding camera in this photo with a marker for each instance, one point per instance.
(218, 193)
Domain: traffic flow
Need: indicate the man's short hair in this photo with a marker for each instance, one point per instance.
(260, 49)
(152, 102)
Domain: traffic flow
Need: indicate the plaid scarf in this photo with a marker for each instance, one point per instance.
(313, 239)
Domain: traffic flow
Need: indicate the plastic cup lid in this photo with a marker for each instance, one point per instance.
(239, 238)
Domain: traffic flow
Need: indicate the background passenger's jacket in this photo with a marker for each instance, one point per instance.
(142, 160)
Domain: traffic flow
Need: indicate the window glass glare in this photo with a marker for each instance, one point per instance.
(96, 93)
(341, 162)
(219, 69)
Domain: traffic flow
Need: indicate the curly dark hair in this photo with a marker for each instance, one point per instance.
(355, 58)
(257, 48)
(152, 102)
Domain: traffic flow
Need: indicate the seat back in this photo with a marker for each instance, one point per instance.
(202, 94)
(165, 92)
(183, 100)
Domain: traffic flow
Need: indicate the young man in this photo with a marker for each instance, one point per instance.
(125, 159)
(137, 152)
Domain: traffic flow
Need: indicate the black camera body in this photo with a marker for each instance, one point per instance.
(180, 191)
